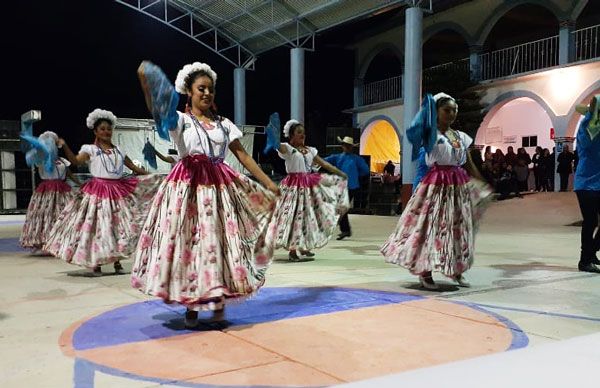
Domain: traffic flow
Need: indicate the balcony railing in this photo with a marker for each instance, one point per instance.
(587, 45)
(522, 58)
(384, 90)
(460, 66)
(526, 57)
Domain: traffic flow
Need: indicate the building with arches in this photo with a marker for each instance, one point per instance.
(533, 62)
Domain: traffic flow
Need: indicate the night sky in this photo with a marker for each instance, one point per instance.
(69, 57)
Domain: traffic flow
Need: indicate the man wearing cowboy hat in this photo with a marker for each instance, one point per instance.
(587, 183)
(354, 166)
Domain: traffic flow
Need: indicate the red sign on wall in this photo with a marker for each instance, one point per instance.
(552, 133)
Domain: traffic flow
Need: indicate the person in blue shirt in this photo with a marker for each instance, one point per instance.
(587, 183)
(354, 166)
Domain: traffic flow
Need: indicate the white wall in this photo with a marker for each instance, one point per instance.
(518, 118)
(132, 142)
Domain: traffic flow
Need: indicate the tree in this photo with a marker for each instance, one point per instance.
(454, 79)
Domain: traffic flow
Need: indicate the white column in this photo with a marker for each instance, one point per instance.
(566, 42)
(297, 84)
(413, 63)
(239, 95)
(475, 62)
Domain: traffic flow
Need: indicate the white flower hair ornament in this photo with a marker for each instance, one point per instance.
(288, 126)
(188, 69)
(50, 135)
(98, 114)
(444, 95)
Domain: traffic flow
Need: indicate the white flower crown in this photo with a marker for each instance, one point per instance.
(98, 114)
(444, 95)
(288, 126)
(49, 134)
(188, 69)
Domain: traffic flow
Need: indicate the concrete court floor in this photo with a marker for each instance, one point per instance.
(525, 289)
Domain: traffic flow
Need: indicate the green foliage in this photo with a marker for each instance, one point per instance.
(454, 80)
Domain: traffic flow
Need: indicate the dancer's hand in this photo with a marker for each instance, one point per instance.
(60, 142)
(274, 188)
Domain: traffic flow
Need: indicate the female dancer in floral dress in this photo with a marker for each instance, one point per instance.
(101, 224)
(48, 200)
(307, 212)
(436, 231)
(203, 242)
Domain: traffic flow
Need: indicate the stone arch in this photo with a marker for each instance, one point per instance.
(367, 132)
(502, 100)
(432, 30)
(366, 61)
(506, 6)
(584, 97)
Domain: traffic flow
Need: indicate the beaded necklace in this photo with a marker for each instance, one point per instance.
(211, 153)
(58, 174)
(307, 166)
(117, 168)
(455, 143)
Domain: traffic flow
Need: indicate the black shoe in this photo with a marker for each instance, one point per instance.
(191, 319)
(343, 235)
(595, 261)
(294, 258)
(589, 268)
(96, 272)
(118, 268)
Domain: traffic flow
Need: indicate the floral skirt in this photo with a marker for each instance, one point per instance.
(436, 231)
(203, 243)
(47, 202)
(101, 224)
(307, 212)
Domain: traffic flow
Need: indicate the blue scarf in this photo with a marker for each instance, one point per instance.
(423, 128)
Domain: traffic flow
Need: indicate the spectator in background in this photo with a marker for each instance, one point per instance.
(546, 170)
(565, 167)
(498, 157)
(487, 155)
(522, 173)
(523, 155)
(537, 167)
(354, 166)
(389, 168)
(552, 166)
(508, 183)
(510, 158)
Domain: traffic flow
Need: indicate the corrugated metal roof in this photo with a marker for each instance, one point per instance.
(261, 25)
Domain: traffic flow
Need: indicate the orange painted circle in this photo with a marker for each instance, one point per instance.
(288, 337)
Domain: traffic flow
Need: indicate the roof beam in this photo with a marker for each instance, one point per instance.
(240, 57)
(243, 12)
(297, 18)
(256, 18)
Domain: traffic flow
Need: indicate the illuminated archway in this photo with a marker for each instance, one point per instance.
(380, 141)
(514, 120)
